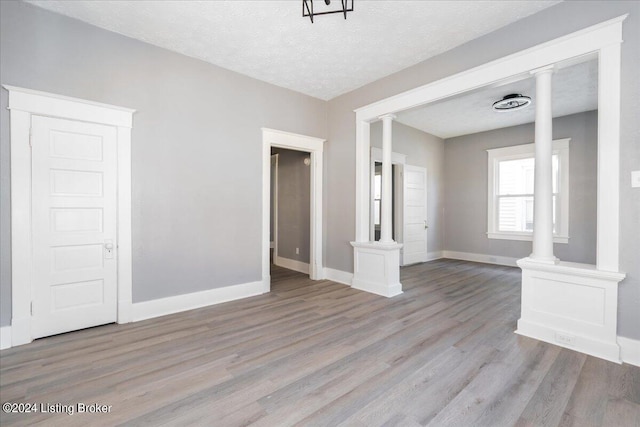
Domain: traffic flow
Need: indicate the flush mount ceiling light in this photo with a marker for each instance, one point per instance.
(343, 6)
(512, 102)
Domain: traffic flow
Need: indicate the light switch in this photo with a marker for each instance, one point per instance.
(635, 178)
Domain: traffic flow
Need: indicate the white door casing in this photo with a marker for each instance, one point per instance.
(274, 203)
(315, 146)
(415, 215)
(74, 189)
(24, 104)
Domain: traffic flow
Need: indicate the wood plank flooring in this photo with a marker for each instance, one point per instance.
(322, 354)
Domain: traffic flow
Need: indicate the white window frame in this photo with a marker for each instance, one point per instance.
(516, 152)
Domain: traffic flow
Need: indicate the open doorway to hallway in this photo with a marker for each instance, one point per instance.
(290, 208)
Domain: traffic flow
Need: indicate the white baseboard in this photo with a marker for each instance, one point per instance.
(584, 344)
(629, 350)
(338, 276)
(291, 264)
(385, 290)
(487, 259)
(5, 337)
(432, 256)
(161, 307)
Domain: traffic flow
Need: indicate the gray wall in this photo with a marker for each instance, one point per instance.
(546, 25)
(197, 145)
(465, 188)
(294, 180)
(425, 150)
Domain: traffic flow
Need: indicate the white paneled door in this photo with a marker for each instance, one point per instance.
(74, 190)
(415, 215)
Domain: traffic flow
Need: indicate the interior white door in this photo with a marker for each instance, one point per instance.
(415, 215)
(74, 185)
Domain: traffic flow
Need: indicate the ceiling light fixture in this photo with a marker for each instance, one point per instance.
(344, 7)
(512, 102)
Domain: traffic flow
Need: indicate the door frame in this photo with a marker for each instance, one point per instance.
(274, 198)
(24, 103)
(315, 146)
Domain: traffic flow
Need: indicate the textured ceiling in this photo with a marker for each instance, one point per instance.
(575, 90)
(271, 41)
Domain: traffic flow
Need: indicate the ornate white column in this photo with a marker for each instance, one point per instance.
(386, 224)
(543, 179)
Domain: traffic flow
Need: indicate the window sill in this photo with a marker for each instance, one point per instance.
(528, 237)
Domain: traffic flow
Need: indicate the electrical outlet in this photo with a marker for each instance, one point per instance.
(297, 251)
(635, 179)
(565, 339)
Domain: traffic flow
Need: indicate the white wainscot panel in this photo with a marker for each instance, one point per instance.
(376, 268)
(573, 301)
(571, 305)
(371, 265)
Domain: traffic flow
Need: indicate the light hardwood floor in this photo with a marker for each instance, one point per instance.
(322, 354)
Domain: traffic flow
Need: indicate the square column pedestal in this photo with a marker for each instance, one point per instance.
(571, 305)
(377, 268)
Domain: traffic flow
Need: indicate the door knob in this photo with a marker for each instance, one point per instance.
(108, 249)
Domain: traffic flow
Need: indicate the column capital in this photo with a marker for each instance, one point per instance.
(387, 117)
(544, 70)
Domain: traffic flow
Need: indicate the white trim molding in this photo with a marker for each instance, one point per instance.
(434, 255)
(629, 350)
(338, 276)
(524, 237)
(23, 103)
(5, 337)
(179, 303)
(483, 258)
(571, 305)
(291, 264)
(315, 146)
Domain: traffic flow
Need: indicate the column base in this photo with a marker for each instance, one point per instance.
(377, 268)
(543, 260)
(571, 305)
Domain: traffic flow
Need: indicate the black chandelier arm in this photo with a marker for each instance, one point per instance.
(307, 9)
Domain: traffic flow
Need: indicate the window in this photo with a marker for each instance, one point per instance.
(510, 192)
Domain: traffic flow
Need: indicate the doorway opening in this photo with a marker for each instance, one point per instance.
(313, 147)
(290, 219)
